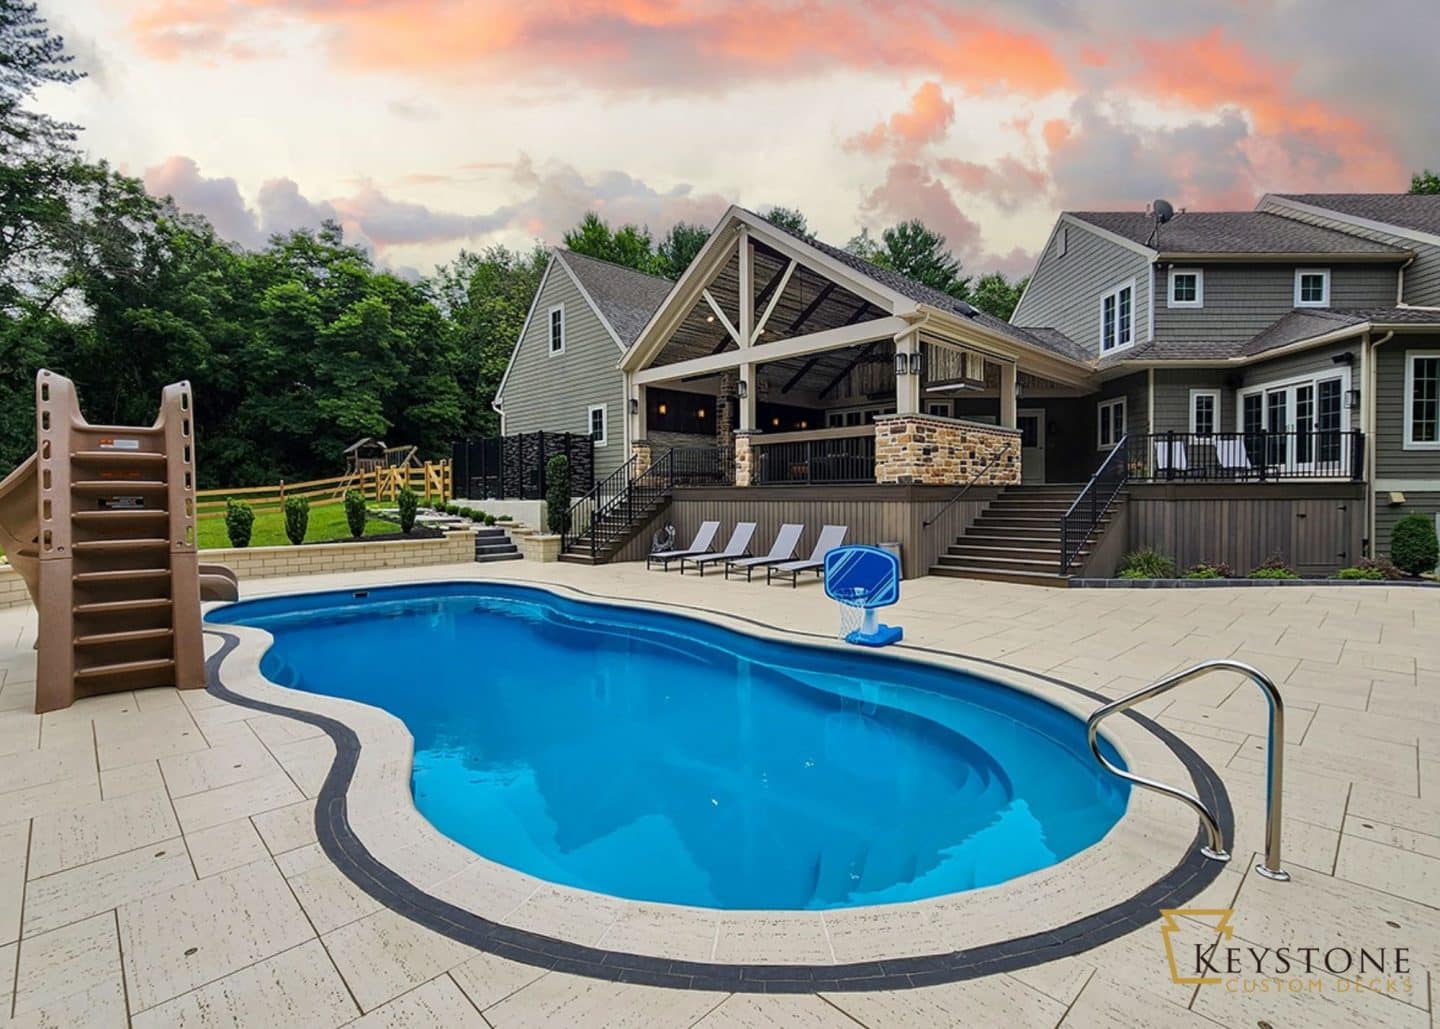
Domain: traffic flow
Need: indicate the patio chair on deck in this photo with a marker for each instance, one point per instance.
(699, 545)
(831, 536)
(739, 546)
(1233, 459)
(783, 549)
(1170, 459)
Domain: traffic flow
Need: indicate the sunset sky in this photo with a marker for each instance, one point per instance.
(430, 125)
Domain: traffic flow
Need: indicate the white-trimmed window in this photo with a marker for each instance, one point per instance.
(1117, 318)
(1111, 416)
(595, 416)
(1062, 241)
(1204, 412)
(1312, 287)
(555, 320)
(1186, 288)
(1422, 400)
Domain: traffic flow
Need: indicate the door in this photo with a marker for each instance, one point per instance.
(1031, 423)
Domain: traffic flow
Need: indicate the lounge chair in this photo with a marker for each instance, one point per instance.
(699, 545)
(831, 536)
(1232, 457)
(739, 546)
(783, 549)
(1170, 458)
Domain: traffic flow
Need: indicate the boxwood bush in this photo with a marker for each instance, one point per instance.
(355, 512)
(297, 519)
(1413, 546)
(407, 502)
(239, 522)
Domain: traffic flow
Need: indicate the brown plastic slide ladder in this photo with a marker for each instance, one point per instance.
(109, 551)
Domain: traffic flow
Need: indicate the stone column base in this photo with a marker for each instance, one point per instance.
(744, 459)
(644, 457)
(540, 547)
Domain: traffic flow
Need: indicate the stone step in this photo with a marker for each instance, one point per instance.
(488, 558)
(1021, 564)
(1025, 578)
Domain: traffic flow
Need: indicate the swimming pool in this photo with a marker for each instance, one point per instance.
(657, 757)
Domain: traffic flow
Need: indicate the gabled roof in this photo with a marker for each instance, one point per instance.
(1235, 233)
(624, 297)
(1417, 211)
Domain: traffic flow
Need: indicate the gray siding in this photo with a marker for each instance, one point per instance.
(553, 394)
(1392, 460)
(1172, 396)
(1241, 300)
(1065, 291)
(1422, 278)
(1136, 391)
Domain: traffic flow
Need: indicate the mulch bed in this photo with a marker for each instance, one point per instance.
(418, 533)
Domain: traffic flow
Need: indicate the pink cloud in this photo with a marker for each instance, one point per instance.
(925, 121)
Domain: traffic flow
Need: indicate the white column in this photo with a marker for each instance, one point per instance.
(747, 329)
(1007, 396)
(638, 428)
(747, 400)
(907, 386)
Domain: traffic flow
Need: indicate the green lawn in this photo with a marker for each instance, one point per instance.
(326, 523)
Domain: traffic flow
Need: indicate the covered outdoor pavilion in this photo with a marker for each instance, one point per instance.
(809, 365)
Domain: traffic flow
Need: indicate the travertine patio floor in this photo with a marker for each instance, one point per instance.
(159, 863)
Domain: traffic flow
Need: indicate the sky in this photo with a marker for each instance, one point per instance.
(428, 126)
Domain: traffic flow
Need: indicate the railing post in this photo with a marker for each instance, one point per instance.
(1264, 454)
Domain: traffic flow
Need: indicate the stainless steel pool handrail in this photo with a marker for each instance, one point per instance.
(1274, 775)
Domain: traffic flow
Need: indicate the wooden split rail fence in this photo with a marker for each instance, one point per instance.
(434, 480)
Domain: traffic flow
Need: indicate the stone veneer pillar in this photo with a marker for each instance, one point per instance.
(744, 458)
(925, 450)
(640, 450)
(724, 417)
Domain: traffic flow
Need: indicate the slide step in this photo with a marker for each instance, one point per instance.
(107, 606)
(122, 575)
(118, 457)
(121, 515)
(113, 485)
(98, 639)
(111, 546)
(102, 671)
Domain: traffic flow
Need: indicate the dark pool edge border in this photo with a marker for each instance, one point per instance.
(340, 844)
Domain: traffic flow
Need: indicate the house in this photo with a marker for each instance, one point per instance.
(1222, 385)
(563, 375)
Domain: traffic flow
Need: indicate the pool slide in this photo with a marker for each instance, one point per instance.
(100, 524)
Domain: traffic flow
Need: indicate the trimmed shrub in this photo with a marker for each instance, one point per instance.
(1356, 572)
(557, 494)
(490, 519)
(355, 512)
(239, 522)
(1220, 570)
(504, 518)
(297, 519)
(1146, 563)
(1413, 546)
(1273, 567)
(407, 502)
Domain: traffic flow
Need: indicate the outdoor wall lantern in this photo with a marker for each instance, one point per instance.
(742, 389)
(902, 363)
(917, 362)
(634, 406)
(664, 408)
(700, 413)
(1352, 399)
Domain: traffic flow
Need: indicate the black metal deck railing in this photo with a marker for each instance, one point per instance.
(804, 462)
(1078, 523)
(1247, 456)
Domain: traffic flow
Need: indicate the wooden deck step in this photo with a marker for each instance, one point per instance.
(122, 575)
(153, 664)
(100, 639)
(118, 606)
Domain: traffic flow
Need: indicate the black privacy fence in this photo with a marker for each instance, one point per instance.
(513, 467)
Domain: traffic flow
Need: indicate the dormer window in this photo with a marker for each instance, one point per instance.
(1117, 318)
(1312, 287)
(1187, 287)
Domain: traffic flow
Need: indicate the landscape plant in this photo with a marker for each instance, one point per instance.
(1413, 545)
(239, 522)
(557, 495)
(1218, 570)
(297, 519)
(407, 503)
(355, 512)
(1146, 563)
(1273, 567)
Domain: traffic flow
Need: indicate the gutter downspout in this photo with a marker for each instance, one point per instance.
(1368, 375)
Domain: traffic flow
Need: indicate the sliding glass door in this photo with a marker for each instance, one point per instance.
(1298, 425)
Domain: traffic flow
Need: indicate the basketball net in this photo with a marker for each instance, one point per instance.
(854, 615)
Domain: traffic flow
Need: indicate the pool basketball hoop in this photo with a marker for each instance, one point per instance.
(861, 580)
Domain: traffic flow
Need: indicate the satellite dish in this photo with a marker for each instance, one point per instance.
(1163, 211)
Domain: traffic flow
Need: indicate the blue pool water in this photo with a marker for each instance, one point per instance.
(656, 757)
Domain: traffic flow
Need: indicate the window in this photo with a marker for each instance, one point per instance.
(557, 329)
(1422, 400)
(1187, 287)
(1204, 411)
(1312, 287)
(596, 416)
(1112, 422)
(1062, 241)
(938, 408)
(1117, 318)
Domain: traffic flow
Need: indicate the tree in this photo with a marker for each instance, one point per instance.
(1425, 181)
(997, 295)
(679, 247)
(628, 245)
(32, 57)
(863, 246)
(919, 253)
(788, 218)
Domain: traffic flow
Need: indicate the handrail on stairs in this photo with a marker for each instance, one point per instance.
(1274, 776)
(963, 490)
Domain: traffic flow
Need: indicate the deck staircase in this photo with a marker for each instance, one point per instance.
(1016, 538)
(620, 506)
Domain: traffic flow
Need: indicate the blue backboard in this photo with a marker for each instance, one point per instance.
(862, 576)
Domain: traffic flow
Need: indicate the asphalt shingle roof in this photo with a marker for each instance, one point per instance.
(1407, 210)
(1232, 232)
(626, 298)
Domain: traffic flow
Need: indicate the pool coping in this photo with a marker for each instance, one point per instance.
(393, 855)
